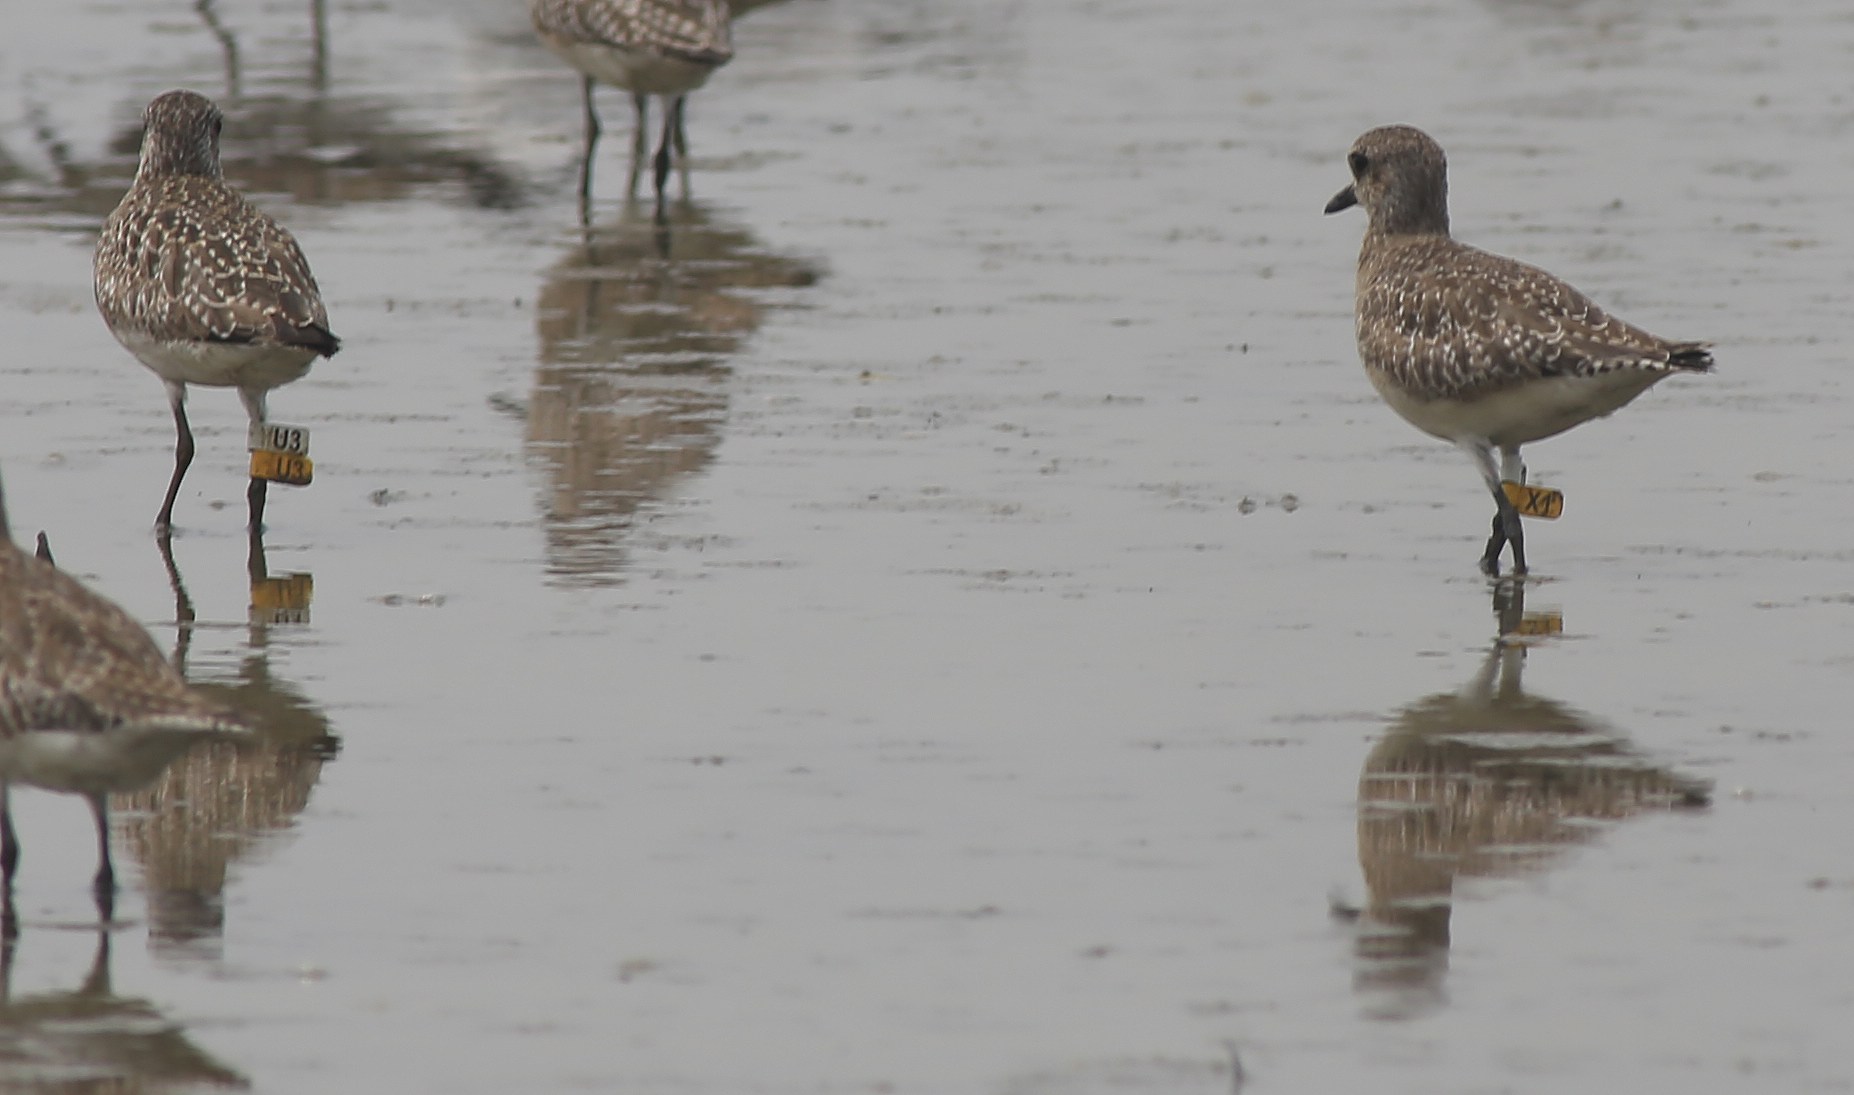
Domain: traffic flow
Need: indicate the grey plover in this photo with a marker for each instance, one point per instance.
(199, 284)
(665, 48)
(87, 703)
(1475, 348)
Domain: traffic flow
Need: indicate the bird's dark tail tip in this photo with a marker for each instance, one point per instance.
(323, 341)
(1694, 356)
(310, 336)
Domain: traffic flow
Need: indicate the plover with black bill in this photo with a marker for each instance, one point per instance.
(1477, 349)
(88, 705)
(200, 285)
(662, 48)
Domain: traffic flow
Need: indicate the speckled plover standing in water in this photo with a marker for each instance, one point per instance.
(202, 286)
(665, 48)
(1474, 348)
(87, 703)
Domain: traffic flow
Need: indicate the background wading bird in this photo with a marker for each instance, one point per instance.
(87, 703)
(665, 48)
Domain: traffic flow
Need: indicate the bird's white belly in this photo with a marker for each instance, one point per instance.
(90, 761)
(1527, 412)
(253, 366)
(638, 71)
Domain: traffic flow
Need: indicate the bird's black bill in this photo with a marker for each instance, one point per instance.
(1345, 199)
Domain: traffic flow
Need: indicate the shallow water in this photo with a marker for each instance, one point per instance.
(962, 621)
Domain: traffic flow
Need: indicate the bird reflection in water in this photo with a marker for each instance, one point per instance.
(208, 12)
(1489, 781)
(315, 149)
(218, 804)
(637, 332)
(90, 1039)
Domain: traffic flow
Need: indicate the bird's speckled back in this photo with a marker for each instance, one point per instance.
(72, 660)
(184, 257)
(1442, 320)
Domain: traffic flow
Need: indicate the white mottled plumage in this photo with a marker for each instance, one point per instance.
(199, 284)
(1474, 348)
(665, 48)
(87, 703)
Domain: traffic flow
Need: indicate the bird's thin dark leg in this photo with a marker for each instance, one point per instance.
(9, 840)
(1490, 559)
(254, 495)
(591, 143)
(1506, 531)
(1514, 469)
(183, 453)
(670, 114)
(106, 874)
(640, 140)
(1506, 519)
(9, 863)
(682, 148)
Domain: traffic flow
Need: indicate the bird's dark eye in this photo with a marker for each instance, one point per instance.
(1359, 162)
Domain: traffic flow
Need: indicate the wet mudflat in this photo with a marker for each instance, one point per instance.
(955, 622)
